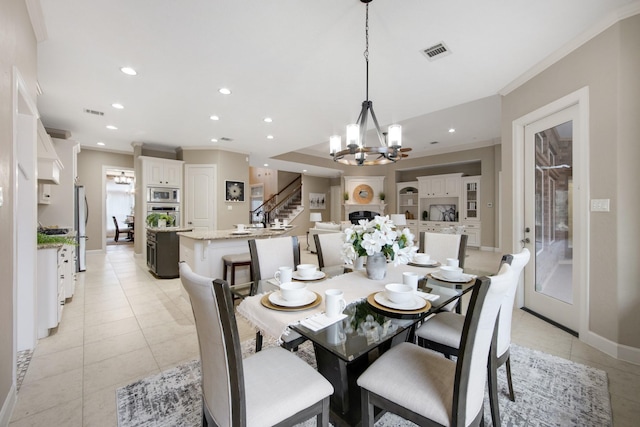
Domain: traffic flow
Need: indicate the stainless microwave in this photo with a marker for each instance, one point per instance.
(163, 195)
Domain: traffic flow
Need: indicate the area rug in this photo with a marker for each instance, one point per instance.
(550, 391)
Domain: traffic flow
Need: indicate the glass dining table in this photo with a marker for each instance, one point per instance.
(344, 349)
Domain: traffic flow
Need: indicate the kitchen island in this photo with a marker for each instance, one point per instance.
(203, 250)
(163, 251)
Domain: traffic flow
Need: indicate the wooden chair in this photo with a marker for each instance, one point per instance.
(273, 387)
(443, 333)
(428, 389)
(329, 249)
(127, 231)
(267, 255)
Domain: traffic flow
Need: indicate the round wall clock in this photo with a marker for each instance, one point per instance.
(235, 191)
(363, 194)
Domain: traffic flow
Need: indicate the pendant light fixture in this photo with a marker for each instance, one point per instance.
(357, 153)
(123, 179)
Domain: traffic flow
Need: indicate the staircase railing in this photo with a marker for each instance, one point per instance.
(269, 210)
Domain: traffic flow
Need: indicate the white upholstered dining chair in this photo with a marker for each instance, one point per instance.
(329, 248)
(272, 387)
(441, 246)
(267, 255)
(443, 332)
(428, 389)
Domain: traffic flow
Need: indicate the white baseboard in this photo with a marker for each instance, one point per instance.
(7, 407)
(613, 349)
(489, 249)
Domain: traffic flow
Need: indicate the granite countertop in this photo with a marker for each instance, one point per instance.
(169, 229)
(234, 234)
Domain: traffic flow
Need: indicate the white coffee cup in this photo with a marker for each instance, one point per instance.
(306, 271)
(240, 227)
(285, 222)
(293, 291)
(453, 262)
(334, 302)
(284, 274)
(421, 258)
(410, 278)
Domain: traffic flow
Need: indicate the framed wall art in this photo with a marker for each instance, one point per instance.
(234, 191)
(317, 201)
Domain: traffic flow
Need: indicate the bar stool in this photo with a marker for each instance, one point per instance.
(233, 261)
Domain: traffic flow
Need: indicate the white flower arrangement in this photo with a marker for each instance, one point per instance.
(378, 235)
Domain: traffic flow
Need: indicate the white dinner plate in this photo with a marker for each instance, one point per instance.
(430, 264)
(316, 276)
(241, 232)
(463, 279)
(276, 298)
(415, 304)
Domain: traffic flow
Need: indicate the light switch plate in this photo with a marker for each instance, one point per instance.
(599, 205)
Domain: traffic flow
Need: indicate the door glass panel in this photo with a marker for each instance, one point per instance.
(553, 209)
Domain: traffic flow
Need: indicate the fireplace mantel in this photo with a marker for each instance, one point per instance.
(355, 207)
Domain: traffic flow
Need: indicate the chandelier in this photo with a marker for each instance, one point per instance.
(123, 179)
(357, 153)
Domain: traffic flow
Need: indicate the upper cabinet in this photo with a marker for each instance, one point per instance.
(163, 172)
(471, 198)
(439, 185)
(49, 165)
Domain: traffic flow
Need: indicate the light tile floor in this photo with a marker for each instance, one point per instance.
(123, 325)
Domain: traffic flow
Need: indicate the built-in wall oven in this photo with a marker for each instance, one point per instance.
(172, 209)
(163, 195)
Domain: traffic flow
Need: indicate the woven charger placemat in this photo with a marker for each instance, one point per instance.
(265, 301)
(393, 312)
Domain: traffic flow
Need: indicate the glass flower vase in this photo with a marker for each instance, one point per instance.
(376, 266)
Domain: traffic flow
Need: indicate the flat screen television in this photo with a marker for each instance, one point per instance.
(442, 213)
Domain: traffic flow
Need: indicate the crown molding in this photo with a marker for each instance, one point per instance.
(606, 22)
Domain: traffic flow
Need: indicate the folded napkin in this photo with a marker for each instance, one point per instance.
(427, 296)
(320, 321)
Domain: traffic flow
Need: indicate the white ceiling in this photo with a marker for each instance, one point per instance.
(299, 62)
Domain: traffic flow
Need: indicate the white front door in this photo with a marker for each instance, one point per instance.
(552, 148)
(200, 197)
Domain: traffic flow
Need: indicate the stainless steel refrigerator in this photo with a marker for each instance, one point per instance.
(81, 218)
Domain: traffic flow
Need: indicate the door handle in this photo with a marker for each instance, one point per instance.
(525, 241)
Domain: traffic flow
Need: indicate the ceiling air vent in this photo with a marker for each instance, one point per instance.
(94, 112)
(437, 51)
(225, 139)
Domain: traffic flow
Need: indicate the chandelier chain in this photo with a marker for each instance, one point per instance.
(366, 49)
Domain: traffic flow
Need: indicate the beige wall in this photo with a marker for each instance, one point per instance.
(90, 165)
(230, 166)
(269, 179)
(609, 65)
(17, 48)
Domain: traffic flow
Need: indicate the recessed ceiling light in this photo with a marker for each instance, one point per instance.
(304, 170)
(266, 165)
(224, 91)
(117, 106)
(100, 143)
(452, 130)
(214, 117)
(112, 127)
(269, 136)
(268, 119)
(214, 140)
(129, 71)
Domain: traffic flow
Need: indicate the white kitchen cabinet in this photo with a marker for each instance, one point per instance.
(473, 231)
(50, 289)
(44, 194)
(68, 270)
(162, 172)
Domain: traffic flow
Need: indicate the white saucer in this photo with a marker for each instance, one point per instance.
(463, 279)
(277, 228)
(316, 276)
(416, 304)
(241, 232)
(430, 264)
(276, 298)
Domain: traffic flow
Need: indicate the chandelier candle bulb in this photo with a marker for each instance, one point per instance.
(353, 133)
(395, 136)
(335, 143)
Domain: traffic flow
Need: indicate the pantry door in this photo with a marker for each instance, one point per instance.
(200, 197)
